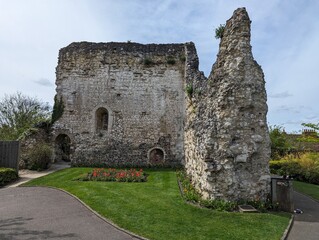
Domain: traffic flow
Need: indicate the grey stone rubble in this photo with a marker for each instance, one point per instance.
(129, 104)
(227, 144)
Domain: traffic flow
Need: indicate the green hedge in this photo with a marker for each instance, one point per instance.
(7, 175)
(295, 170)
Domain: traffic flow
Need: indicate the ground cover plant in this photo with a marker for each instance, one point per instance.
(7, 175)
(156, 210)
(114, 175)
(306, 188)
(190, 194)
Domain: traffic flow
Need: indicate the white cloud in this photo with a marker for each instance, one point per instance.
(44, 82)
(284, 41)
(280, 95)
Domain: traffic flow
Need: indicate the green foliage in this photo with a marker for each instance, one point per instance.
(18, 113)
(7, 175)
(219, 31)
(219, 205)
(182, 58)
(279, 144)
(189, 90)
(190, 194)
(171, 60)
(304, 168)
(27, 132)
(58, 109)
(156, 210)
(148, 62)
(187, 188)
(312, 126)
(310, 137)
(39, 157)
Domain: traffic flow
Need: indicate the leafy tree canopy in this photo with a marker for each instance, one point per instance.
(313, 126)
(19, 113)
(279, 144)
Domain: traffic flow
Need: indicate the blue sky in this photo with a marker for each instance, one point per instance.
(285, 42)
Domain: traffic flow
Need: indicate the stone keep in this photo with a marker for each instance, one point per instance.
(128, 104)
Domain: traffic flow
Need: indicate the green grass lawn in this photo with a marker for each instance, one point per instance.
(156, 210)
(306, 188)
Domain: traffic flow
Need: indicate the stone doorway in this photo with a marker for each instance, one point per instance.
(62, 148)
(156, 156)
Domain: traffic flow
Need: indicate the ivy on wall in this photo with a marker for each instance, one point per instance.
(58, 109)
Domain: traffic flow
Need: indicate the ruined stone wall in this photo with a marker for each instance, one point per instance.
(163, 111)
(227, 146)
(142, 89)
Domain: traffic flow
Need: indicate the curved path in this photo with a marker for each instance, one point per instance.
(45, 213)
(306, 225)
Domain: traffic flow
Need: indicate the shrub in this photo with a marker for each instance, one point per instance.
(148, 62)
(188, 190)
(190, 194)
(182, 58)
(7, 175)
(219, 32)
(279, 144)
(189, 90)
(305, 168)
(39, 157)
(220, 205)
(171, 60)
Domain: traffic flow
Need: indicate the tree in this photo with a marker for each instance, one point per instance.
(279, 144)
(313, 126)
(19, 113)
(313, 136)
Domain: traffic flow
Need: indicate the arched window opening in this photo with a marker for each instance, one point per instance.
(102, 119)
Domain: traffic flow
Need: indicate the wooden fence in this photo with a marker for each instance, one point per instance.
(9, 154)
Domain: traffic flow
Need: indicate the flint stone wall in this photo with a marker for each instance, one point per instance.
(227, 146)
(217, 129)
(142, 88)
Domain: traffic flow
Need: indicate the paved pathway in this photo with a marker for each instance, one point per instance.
(44, 213)
(306, 225)
(26, 175)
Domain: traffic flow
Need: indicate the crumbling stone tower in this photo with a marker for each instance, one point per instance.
(227, 144)
(129, 104)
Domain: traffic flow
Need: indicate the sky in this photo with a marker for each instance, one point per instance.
(284, 39)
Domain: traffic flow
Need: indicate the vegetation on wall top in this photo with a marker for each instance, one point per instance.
(219, 31)
(58, 109)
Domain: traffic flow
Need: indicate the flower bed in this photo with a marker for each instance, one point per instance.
(115, 175)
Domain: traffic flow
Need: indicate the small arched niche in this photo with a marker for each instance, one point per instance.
(102, 119)
(156, 156)
(62, 148)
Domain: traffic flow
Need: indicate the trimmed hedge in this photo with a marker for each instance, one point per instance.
(7, 175)
(295, 170)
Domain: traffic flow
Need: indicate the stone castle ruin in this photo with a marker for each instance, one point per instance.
(129, 104)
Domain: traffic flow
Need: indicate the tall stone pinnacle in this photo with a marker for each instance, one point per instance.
(234, 147)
